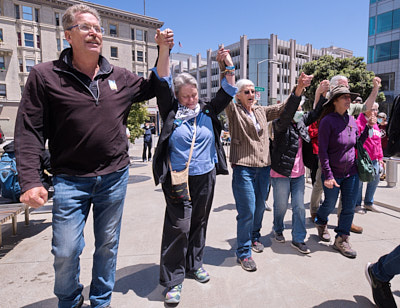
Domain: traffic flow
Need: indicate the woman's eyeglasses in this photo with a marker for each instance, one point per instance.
(247, 92)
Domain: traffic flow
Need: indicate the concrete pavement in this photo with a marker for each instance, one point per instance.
(284, 278)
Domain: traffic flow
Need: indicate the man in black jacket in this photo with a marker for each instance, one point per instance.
(80, 104)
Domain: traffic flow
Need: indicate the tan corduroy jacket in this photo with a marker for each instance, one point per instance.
(249, 148)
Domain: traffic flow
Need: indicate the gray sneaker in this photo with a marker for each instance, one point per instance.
(248, 264)
(342, 245)
(256, 246)
(279, 237)
(323, 232)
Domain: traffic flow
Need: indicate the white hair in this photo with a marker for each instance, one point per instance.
(241, 83)
(334, 82)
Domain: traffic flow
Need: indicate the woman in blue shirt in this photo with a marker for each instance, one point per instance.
(186, 218)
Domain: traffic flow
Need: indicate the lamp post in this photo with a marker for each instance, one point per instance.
(258, 63)
(280, 76)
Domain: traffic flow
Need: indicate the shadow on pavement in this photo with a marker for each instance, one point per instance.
(221, 257)
(360, 301)
(138, 178)
(23, 232)
(226, 207)
(141, 279)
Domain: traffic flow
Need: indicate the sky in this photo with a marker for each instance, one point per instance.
(202, 25)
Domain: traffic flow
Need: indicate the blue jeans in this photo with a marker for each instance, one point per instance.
(387, 265)
(72, 201)
(349, 189)
(283, 187)
(371, 187)
(250, 187)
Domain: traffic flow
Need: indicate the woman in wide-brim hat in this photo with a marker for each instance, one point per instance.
(337, 136)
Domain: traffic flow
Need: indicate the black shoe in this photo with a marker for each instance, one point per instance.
(301, 247)
(279, 237)
(381, 291)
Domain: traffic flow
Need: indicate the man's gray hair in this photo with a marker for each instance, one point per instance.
(68, 19)
(183, 79)
(241, 83)
(334, 82)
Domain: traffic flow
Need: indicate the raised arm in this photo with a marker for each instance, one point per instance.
(165, 42)
(372, 97)
(226, 65)
(322, 90)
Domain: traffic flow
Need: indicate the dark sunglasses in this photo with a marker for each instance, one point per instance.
(247, 92)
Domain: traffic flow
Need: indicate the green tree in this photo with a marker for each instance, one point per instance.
(355, 69)
(137, 116)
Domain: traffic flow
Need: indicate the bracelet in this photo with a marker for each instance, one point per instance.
(228, 72)
(230, 67)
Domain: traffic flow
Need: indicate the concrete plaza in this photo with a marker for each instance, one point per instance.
(284, 278)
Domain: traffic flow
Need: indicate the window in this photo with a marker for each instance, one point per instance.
(2, 63)
(387, 21)
(1, 35)
(66, 44)
(383, 52)
(113, 30)
(396, 19)
(139, 56)
(372, 1)
(17, 14)
(387, 81)
(27, 13)
(29, 63)
(139, 35)
(114, 52)
(371, 30)
(145, 36)
(132, 34)
(29, 40)
(57, 17)
(58, 44)
(19, 38)
(140, 74)
(38, 41)
(21, 65)
(371, 54)
(3, 90)
(22, 89)
(133, 54)
(37, 15)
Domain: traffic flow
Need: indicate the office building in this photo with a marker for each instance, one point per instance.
(272, 64)
(383, 45)
(31, 32)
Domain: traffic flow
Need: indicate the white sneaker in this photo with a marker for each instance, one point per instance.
(360, 210)
(372, 208)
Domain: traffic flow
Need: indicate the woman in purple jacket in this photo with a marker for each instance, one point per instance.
(337, 135)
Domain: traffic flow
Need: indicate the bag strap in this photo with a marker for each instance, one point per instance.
(191, 147)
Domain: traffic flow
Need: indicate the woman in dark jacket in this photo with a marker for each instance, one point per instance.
(186, 217)
(287, 167)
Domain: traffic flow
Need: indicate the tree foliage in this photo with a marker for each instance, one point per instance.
(355, 69)
(137, 116)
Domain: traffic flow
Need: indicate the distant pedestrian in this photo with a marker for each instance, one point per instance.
(380, 274)
(147, 141)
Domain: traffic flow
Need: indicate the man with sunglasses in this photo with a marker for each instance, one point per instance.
(80, 104)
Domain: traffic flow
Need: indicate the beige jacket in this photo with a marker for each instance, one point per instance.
(249, 148)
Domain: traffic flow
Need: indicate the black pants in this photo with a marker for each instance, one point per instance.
(146, 146)
(185, 226)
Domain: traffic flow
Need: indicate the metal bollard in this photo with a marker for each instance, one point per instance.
(391, 172)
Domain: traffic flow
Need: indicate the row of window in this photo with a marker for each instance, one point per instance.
(139, 56)
(373, 1)
(32, 14)
(28, 40)
(384, 22)
(383, 52)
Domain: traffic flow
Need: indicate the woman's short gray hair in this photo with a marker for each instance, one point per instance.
(241, 83)
(68, 20)
(183, 79)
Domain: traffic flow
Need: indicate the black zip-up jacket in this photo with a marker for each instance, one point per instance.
(286, 135)
(167, 106)
(84, 121)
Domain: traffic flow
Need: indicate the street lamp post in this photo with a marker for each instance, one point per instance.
(280, 76)
(258, 63)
